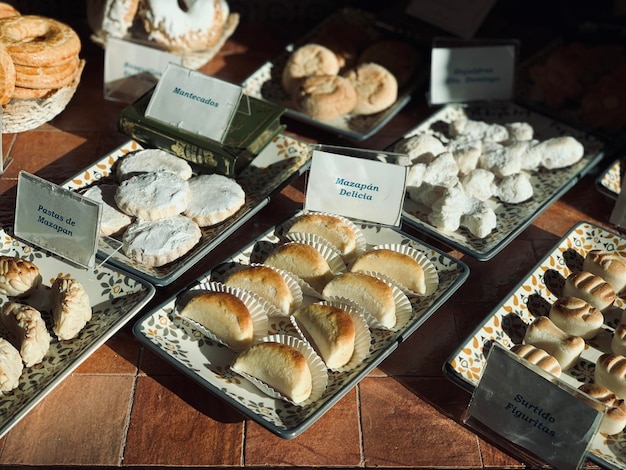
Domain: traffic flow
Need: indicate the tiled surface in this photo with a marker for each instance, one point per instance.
(124, 406)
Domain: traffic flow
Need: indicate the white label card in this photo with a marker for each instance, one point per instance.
(194, 101)
(57, 219)
(535, 413)
(131, 69)
(356, 188)
(462, 74)
(458, 17)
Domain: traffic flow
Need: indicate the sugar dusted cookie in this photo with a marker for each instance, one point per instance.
(151, 160)
(214, 198)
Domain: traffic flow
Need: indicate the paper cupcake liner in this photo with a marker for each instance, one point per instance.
(431, 278)
(260, 323)
(362, 339)
(319, 374)
(404, 310)
(360, 242)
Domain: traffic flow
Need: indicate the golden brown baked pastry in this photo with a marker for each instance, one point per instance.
(332, 331)
(18, 276)
(610, 372)
(71, 309)
(223, 314)
(307, 61)
(7, 76)
(399, 267)
(538, 357)
(576, 317)
(304, 261)
(325, 97)
(266, 282)
(331, 228)
(376, 88)
(609, 266)
(374, 296)
(614, 418)
(28, 330)
(544, 334)
(590, 287)
(280, 366)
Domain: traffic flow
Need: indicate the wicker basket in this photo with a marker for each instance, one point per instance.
(24, 115)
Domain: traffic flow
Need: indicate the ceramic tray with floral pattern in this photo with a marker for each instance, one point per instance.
(265, 82)
(281, 161)
(208, 362)
(609, 182)
(115, 298)
(533, 297)
(548, 185)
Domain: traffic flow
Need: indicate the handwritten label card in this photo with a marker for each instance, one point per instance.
(522, 405)
(357, 188)
(57, 219)
(462, 74)
(131, 69)
(194, 102)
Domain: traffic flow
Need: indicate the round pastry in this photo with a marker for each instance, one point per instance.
(281, 366)
(111, 17)
(614, 418)
(265, 282)
(214, 198)
(7, 76)
(325, 97)
(38, 41)
(376, 88)
(49, 77)
(18, 276)
(332, 331)
(112, 220)
(538, 357)
(151, 160)
(304, 261)
(307, 61)
(609, 266)
(223, 314)
(155, 243)
(399, 57)
(71, 309)
(333, 229)
(587, 286)
(153, 196)
(398, 267)
(576, 317)
(184, 25)
(7, 10)
(11, 366)
(374, 296)
(28, 330)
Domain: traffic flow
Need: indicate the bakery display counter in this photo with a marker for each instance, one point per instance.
(125, 406)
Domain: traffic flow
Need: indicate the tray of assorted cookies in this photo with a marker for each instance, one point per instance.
(349, 75)
(480, 174)
(161, 214)
(54, 316)
(40, 69)
(287, 326)
(566, 315)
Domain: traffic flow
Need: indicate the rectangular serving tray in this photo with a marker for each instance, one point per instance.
(208, 363)
(115, 298)
(512, 219)
(283, 160)
(532, 297)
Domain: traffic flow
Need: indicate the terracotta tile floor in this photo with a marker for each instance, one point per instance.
(126, 407)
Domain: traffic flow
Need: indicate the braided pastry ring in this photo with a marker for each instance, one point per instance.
(38, 41)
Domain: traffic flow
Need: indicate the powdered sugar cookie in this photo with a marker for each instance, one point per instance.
(155, 243)
(150, 160)
(153, 196)
(214, 198)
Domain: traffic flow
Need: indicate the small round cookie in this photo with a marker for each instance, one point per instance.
(153, 196)
(150, 160)
(399, 57)
(376, 88)
(325, 97)
(7, 76)
(112, 220)
(214, 198)
(158, 242)
(306, 61)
